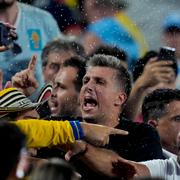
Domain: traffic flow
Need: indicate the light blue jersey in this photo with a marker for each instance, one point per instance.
(35, 27)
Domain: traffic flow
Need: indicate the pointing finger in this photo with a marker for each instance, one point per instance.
(32, 63)
(118, 131)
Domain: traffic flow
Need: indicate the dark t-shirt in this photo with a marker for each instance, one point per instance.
(141, 144)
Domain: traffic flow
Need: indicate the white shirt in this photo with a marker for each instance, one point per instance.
(169, 169)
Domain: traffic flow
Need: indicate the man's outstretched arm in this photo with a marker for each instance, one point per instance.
(106, 162)
(42, 133)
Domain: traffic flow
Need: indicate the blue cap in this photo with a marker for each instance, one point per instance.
(172, 20)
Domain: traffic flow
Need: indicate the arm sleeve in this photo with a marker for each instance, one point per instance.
(156, 167)
(42, 133)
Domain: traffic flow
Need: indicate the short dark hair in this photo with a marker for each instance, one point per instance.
(172, 30)
(59, 45)
(122, 75)
(53, 169)
(141, 63)
(12, 141)
(80, 64)
(154, 105)
(112, 51)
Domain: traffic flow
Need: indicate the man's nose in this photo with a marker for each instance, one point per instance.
(88, 89)
(53, 95)
(89, 86)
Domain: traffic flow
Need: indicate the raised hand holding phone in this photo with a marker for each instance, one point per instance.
(7, 36)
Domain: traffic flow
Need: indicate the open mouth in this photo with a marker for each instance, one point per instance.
(53, 106)
(89, 103)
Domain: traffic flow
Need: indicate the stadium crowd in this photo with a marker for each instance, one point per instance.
(82, 96)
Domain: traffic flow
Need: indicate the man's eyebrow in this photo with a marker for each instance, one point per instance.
(85, 77)
(55, 63)
(99, 78)
(59, 83)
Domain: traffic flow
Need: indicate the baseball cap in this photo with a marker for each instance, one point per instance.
(172, 20)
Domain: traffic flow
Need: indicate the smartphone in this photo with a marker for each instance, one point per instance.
(167, 53)
(5, 38)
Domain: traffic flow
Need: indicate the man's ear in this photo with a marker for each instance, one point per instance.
(153, 123)
(121, 98)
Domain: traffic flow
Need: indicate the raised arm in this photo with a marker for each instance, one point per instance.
(11, 35)
(154, 72)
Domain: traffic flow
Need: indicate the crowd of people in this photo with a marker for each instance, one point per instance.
(97, 104)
